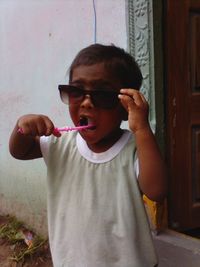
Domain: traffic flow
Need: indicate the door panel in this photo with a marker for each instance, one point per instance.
(182, 58)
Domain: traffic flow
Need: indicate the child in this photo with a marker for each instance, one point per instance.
(96, 216)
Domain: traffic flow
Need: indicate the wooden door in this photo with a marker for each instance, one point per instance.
(182, 63)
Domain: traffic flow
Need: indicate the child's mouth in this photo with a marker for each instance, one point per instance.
(85, 121)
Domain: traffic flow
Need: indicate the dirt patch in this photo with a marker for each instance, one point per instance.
(21, 247)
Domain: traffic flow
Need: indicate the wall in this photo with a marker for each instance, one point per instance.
(38, 42)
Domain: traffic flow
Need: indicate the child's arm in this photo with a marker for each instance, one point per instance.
(25, 144)
(152, 171)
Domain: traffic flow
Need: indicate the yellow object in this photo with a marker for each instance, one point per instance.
(157, 214)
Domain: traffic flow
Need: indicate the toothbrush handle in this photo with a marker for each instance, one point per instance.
(77, 128)
(64, 129)
(56, 130)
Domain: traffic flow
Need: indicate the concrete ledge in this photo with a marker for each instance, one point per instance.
(177, 250)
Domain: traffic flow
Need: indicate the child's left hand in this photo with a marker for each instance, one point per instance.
(137, 107)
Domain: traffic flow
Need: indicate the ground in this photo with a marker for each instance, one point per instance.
(21, 247)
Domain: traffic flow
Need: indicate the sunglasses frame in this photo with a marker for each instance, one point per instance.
(93, 96)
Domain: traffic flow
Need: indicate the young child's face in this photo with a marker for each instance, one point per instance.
(106, 122)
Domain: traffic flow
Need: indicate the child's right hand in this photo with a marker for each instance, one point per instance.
(24, 141)
(137, 107)
(36, 125)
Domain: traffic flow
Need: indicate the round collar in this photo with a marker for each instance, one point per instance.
(102, 157)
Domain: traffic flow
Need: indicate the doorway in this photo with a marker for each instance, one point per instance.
(182, 81)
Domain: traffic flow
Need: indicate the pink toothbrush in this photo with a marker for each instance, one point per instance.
(77, 128)
(66, 129)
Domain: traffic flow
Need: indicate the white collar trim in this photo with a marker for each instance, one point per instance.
(104, 156)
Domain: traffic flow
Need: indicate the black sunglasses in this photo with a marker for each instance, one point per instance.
(73, 95)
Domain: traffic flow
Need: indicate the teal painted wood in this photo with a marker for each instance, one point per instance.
(141, 46)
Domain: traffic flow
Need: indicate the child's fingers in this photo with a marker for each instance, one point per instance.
(137, 99)
(24, 129)
(33, 129)
(56, 132)
(36, 125)
(49, 127)
(143, 98)
(126, 101)
(41, 129)
(132, 97)
(132, 93)
(128, 91)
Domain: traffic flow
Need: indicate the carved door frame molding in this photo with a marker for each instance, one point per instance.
(141, 46)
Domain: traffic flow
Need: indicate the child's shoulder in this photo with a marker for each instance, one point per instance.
(66, 136)
(60, 143)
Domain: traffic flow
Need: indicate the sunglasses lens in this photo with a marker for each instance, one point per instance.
(105, 99)
(70, 94)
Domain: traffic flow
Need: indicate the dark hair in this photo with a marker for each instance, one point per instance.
(116, 60)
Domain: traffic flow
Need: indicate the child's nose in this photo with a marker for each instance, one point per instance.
(87, 102)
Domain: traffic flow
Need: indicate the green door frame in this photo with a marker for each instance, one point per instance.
(145, 43)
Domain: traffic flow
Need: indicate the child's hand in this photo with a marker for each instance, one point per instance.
(36, 125)
(137, 107)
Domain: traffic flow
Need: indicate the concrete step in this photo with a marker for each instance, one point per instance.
(177, 250)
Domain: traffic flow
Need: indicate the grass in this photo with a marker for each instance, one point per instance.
(16, 234)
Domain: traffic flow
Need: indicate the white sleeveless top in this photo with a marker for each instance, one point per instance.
(96, 215)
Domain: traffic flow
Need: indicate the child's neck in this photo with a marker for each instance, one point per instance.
(107, 142)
